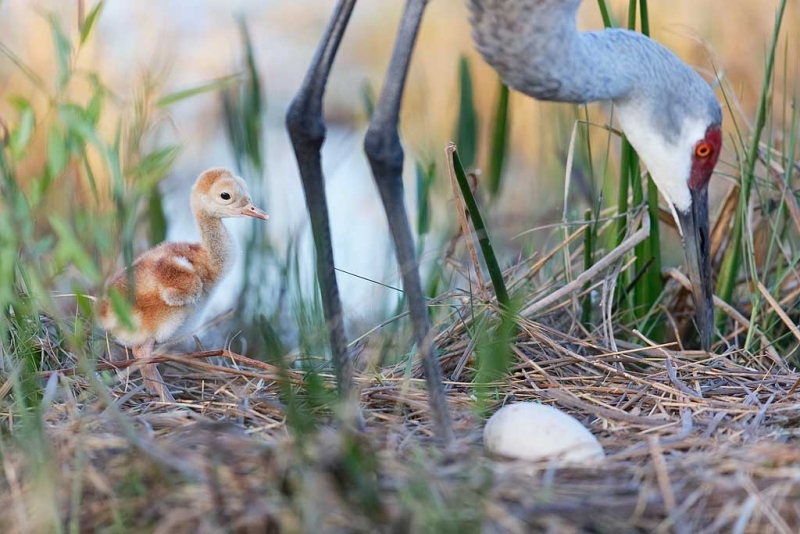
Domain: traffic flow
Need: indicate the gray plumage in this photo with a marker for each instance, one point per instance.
(536, 48)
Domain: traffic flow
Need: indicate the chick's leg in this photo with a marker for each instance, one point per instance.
(152, 378)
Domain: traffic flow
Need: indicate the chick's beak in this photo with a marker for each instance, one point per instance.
(694, 225)
(251, 210)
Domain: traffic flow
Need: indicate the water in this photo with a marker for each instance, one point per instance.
(360, 234)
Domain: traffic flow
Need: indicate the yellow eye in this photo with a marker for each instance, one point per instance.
(703, 150)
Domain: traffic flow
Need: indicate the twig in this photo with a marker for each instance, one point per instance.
(565, 209)
(731, 311)
(671, 371)
(566, 399)
(662, 474)
(718, 302)
(162, 358)
(778, 310)
(603, 264)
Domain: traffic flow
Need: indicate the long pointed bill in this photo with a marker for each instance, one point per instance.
(694, 224)
(251, 210)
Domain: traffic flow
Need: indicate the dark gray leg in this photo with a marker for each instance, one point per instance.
(385, 155)
(307, 131)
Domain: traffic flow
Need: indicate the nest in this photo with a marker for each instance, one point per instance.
(695, 443)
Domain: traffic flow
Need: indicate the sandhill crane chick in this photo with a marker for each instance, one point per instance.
(172, 281)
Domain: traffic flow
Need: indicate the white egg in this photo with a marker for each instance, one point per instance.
(531, 431)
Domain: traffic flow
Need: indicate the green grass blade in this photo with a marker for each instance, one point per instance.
(647, 284)
(20, 137)
(641, 250)
(626, 158)
(652, 276)
(88, 23)
(494, 354)
(71, 250)
(631, 14)
(56, 152)
(644, 18)
(154, 166)
(63, 50)
(467, 130)
(425, 180)
(243, 112)
(158, 220)
(733, 259)
(588, 261)
(480, 229)
(254, 104)
(499, 141)
(368, 98)
(213, 85)
(607, 22)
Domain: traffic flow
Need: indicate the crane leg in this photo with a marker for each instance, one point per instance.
(385, 154)
(304, 121)
(306, 127)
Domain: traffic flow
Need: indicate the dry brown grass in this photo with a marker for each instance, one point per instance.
(696, 442)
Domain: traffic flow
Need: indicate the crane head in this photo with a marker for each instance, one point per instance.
(680, 154)
(694, 227)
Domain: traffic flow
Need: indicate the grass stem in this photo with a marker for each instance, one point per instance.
(480, 229)
(733, 259)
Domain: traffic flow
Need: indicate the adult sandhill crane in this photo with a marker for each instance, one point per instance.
(667, 111)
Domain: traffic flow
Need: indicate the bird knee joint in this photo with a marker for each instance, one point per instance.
(384, 150)
(304, 125)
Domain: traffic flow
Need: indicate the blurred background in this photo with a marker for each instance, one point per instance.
(140, 50)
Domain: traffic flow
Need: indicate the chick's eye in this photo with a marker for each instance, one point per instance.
(225, 196)
(703, 150)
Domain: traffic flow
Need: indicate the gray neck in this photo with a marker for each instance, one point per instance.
(536, 48)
